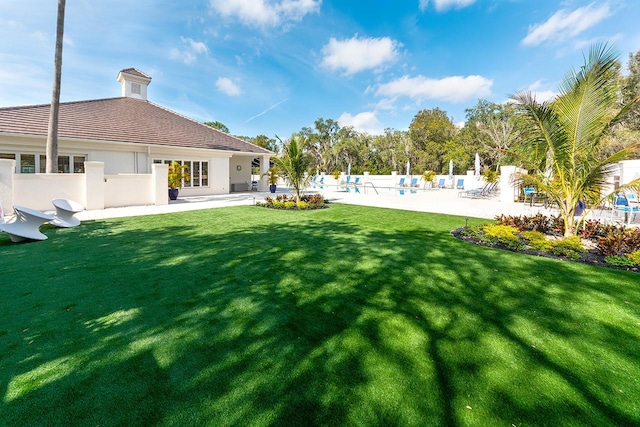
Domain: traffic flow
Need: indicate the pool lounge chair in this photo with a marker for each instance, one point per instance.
(401, 182)
(441, 182)
(486, 191)
(414, 182)
(460, 184)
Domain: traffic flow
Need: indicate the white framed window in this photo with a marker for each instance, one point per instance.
(37, 163)
(198, 172)
(136, 88)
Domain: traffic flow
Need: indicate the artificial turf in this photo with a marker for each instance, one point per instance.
(342, 316)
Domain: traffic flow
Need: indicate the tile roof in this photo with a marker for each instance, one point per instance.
(122, 119)
(135, 72)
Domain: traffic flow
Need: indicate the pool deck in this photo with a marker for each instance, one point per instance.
(444, 201)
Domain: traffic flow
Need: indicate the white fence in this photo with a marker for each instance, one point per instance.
(92, 189)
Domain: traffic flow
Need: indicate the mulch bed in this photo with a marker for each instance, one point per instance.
(591, 256)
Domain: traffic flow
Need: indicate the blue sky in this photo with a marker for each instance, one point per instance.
(274, 66)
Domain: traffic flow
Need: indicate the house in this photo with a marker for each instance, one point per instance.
(128, 135)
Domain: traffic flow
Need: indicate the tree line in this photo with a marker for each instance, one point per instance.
(493, 130)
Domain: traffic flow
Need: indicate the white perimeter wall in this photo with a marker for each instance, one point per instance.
(92, 189)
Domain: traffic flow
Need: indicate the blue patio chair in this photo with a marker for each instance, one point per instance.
(621, 205)
(529, 192)
(401, 182)
(460, 184)
(414, 182)
(441, 182)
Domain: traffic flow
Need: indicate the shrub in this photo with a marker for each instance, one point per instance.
(570, 247)
(614, 241)
(590, 228)
(303, 205)
(505, 234)
(289, 205)
(634, 257)
(619, 260)
(556, 225)
(537, 240)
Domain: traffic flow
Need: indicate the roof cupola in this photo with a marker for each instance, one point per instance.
(134, 83)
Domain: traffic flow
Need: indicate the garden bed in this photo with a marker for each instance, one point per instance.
(596, 244)
(288, 202)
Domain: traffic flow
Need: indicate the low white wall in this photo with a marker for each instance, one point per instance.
(92, 189)
(129, 190)
(37, 190)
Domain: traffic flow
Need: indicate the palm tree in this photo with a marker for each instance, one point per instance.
(565, 137)
(294, 164)
(52, 133)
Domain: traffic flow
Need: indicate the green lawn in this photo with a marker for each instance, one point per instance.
(342, 316)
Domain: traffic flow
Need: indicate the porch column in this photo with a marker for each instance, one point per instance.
(264, 167)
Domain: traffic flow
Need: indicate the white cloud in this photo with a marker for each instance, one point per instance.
(542, 92)
(190, 51)
(362, 122)
(441, 5)
(358, 54)
(565, 24)
(454, 89)
(265, 13)
(227, 86)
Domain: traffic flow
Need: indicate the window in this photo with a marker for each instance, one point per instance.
(63, 164)
(195, 174)
(32, 163)
(27, 163)
(7, 156)
(205, 174)
(78, 164)
(135, 88)
(198, 171)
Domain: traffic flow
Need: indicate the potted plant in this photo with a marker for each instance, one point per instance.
(428, 177)
(176, 175)
(273, 174)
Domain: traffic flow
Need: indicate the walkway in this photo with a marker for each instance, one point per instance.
(444, 201)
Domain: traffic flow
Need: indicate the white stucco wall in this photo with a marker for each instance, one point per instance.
(629, 170)
(37, 190)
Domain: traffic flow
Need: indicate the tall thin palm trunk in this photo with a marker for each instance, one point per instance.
(52, 133)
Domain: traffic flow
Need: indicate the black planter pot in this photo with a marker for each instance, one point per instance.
(173, 193)
(272, 188)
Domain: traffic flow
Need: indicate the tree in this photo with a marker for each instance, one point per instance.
(565, 137)
(320, 141)
(218, 125)
(498, 127)
(294, 164)
(264, 141)
(429, 131)
(52, 131)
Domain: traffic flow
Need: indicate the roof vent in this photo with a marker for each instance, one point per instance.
(134, 83)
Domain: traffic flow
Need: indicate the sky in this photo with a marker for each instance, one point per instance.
(272, 67)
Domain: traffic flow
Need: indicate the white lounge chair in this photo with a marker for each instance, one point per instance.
(26, 224)
(65, 211)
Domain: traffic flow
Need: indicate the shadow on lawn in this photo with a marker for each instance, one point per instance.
(327, 322)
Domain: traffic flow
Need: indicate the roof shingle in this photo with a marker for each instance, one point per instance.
(122, 119)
